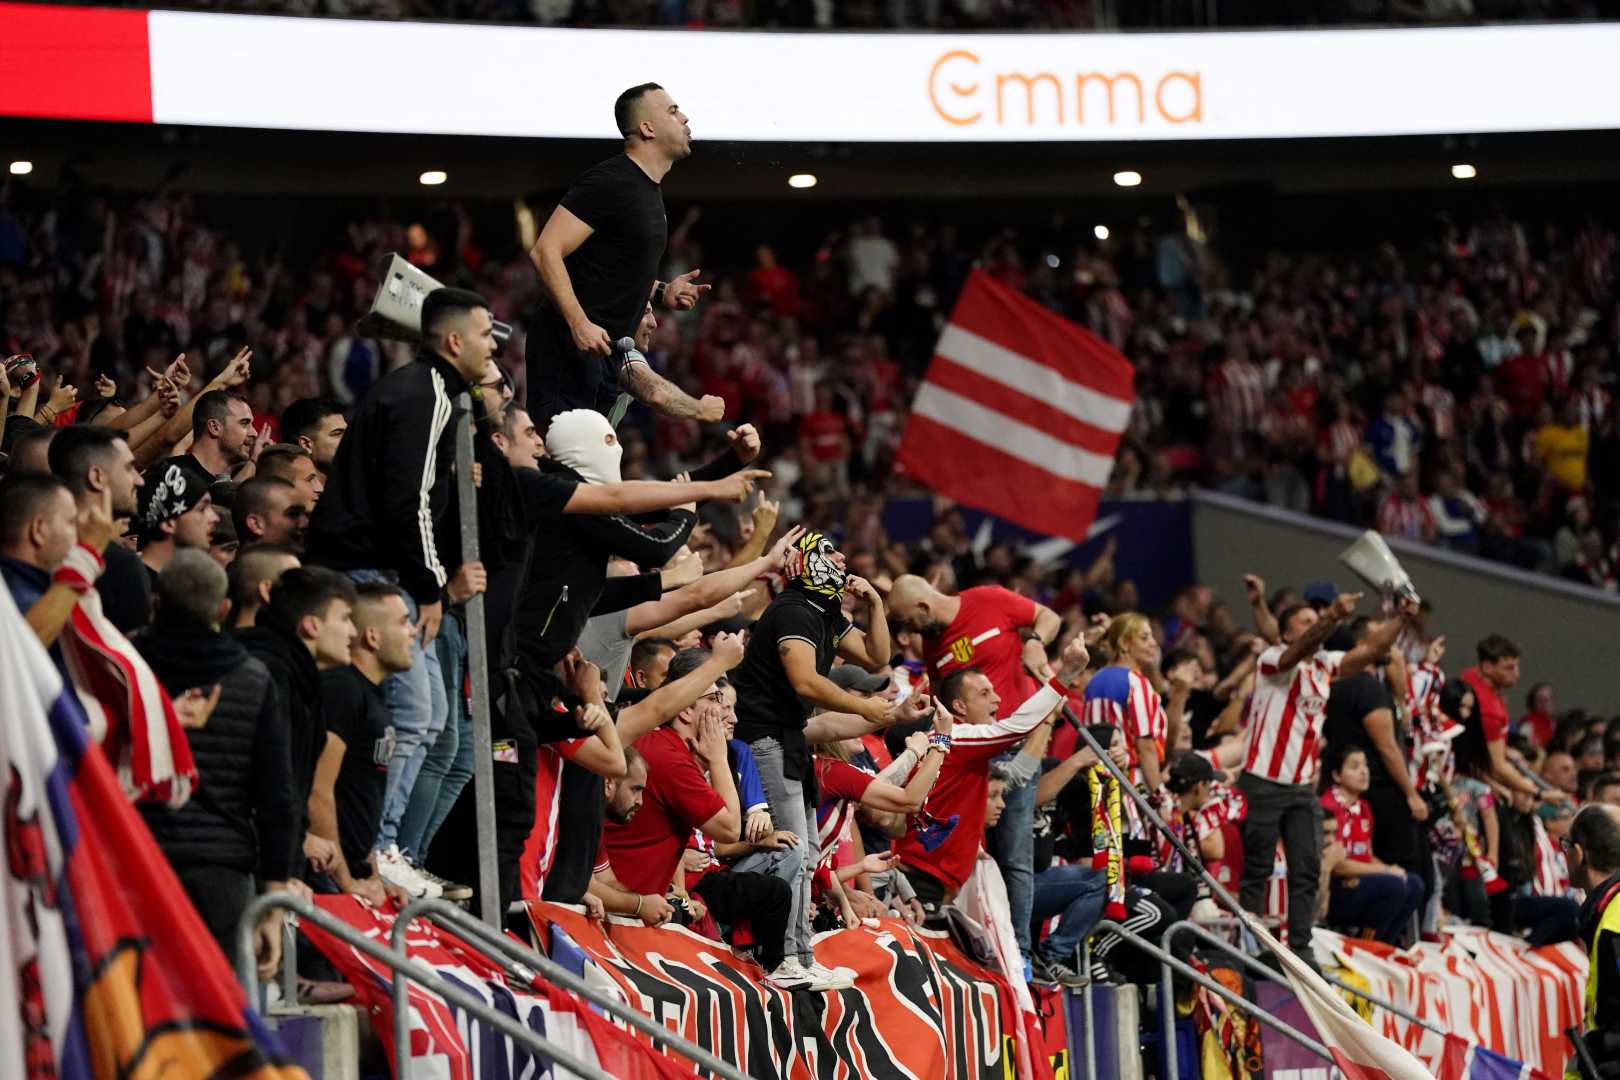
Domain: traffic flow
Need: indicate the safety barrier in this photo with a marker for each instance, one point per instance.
(1172, 965)
(496, 944)
(404, 968)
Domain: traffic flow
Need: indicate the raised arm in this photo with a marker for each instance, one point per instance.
(1378, 640)
(644, 384)
(869, 648)
(665, 703)
(1265, 623)
(1311, 640)
(645, 496)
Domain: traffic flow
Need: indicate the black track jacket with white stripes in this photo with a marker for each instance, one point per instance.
(392, 481)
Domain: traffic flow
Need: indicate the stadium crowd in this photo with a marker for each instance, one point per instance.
(236, 524)
(957, 15)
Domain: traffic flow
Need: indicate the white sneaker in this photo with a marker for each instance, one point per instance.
(791, 975)
(395, 869)
(828, 979)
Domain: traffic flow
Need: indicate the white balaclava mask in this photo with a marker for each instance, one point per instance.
(583, 440)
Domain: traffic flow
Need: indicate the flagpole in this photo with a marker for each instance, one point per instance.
(489, 887)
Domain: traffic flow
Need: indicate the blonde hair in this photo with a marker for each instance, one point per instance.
(1124, 626)
(834, 748)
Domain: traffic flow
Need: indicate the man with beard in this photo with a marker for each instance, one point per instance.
(607, 893)
(93, 461)
(318, 425)
(221, 433)
(598, 258)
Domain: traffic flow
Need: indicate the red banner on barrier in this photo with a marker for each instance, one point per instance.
(919, 1006)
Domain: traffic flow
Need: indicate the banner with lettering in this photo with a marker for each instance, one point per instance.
(919, 1006)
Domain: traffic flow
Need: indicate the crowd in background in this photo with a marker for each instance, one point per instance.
(1454, 389)
(958, 15)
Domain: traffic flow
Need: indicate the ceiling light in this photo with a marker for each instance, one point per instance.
(434, 177)
(1100, 232)
(802, 180)
(1463, 171)
(1053, 261)
(1128, 178)
(21, 168)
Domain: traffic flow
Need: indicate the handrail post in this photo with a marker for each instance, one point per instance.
(489, 875)
(1181, 967)
(1167, 1010)
(496, 942)
(1091, 1018)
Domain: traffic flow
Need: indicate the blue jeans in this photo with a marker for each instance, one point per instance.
(1012, 844)
(418, 708)
(1078, 894)
(789, 813)
(448, 765)
(1382, 903)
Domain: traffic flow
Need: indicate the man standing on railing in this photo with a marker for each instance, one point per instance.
(598, 259)
(1282, 752)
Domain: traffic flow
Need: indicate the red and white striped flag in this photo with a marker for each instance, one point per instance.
(1020, 413)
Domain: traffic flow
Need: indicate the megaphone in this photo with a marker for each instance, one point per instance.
(1375, 564)
(396, 310)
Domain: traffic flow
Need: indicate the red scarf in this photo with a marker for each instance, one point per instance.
(129, 711)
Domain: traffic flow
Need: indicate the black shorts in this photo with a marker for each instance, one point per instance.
(560, 377)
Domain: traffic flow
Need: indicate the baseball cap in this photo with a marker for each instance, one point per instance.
(1189, 768)
(855, 678)
(1320, 593)
(173, 486)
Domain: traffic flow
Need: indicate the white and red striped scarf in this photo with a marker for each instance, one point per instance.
(129, 712)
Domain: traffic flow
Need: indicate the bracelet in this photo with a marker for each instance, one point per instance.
(938, 740)
(639, 899)
(658, 292)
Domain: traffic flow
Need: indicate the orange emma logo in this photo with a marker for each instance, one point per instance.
(964, 93)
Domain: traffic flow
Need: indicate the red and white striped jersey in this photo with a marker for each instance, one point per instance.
(1125, 699)
(1551, 877)
(1283, 742)
(1240, 394)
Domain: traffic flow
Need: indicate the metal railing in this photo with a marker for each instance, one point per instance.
(1264, 971)
(494, 943)
(1181, 967)
(404, 968)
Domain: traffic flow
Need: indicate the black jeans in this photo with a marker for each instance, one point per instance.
(1290, 812)
(220, 894)
(763, 899)
(560, 377)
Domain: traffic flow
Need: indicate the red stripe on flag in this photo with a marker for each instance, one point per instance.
(1014, 321)
(982, 476)
(1355, 1071)
(75, 63)
(1036, 413)
(972, 469)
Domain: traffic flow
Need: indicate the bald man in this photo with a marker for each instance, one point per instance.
(598, 259)
(1004, 636)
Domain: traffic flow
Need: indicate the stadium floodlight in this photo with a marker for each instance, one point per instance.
(802, 180)
(1100, 232)
(1128, 178)
(21, 168)
(1463, 171)
(433, 177)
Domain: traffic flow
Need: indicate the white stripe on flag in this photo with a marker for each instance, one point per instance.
(1032, 378)
(1001, 431)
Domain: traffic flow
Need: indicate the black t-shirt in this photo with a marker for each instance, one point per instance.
(613, 270)
(581, 809)
(767, 707)
(357, 712)
(126, 589)
(1348, 703)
